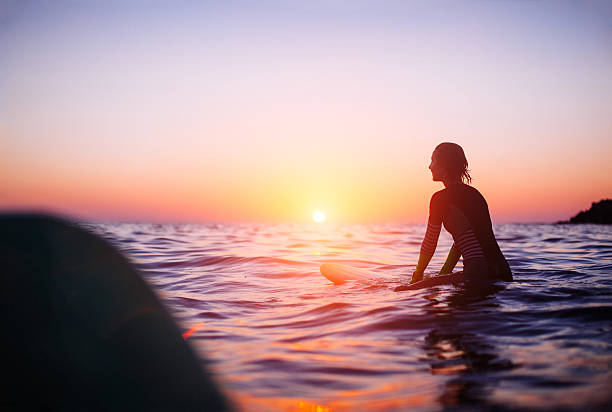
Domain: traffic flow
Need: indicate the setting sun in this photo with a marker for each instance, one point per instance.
(318, 216)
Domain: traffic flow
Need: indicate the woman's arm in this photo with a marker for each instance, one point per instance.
(451, 261)
(428, 247)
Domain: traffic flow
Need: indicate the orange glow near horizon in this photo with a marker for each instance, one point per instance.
(373, 198)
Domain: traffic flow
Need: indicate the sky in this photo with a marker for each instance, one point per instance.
(269, 110)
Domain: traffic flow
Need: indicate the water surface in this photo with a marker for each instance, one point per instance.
(280, 337)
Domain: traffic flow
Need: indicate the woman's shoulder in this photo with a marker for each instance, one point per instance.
(473, 190)
(456, 191)
(475, 194)
(439, 196)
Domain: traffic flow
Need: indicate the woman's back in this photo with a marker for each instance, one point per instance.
(465, 214)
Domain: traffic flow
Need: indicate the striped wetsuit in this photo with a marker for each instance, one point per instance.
(465, 214)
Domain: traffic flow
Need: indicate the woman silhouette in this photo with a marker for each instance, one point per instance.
(465, 214)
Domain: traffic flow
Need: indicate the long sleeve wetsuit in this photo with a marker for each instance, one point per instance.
(465, 214)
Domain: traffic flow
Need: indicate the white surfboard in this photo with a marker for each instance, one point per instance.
(340, 274)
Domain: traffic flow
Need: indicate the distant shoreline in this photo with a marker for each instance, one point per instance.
(599, 213)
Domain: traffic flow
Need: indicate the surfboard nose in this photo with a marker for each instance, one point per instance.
(325, 267)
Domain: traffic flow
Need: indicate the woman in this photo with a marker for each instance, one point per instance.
(465, 214)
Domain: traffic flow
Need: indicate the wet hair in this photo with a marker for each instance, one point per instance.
(453, 158)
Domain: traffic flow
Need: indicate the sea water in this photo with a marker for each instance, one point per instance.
(280, 337)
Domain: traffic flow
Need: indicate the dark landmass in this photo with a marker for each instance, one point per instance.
(600, 212)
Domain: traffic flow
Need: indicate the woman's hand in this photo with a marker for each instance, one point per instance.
(416, 276)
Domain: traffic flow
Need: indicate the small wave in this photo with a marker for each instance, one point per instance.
(297, 245)
(211, 315)
(587, 314)
(395, 323)
(165, 240)
(328, 308)
(284, 275)
(222, 260)
(352, 371)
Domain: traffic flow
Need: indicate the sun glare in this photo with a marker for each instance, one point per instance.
(318, 216)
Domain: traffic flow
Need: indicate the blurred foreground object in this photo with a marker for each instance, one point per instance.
(82, 330)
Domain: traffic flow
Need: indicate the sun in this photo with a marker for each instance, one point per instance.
(318, 216)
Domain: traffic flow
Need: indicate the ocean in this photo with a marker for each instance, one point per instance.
(278, 336)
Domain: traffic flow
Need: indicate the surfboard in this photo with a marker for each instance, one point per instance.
(339, 274)
(438, 280)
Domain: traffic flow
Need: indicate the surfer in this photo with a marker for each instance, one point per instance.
(465, 215)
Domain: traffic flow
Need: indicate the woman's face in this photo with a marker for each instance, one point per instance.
(437, 171)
